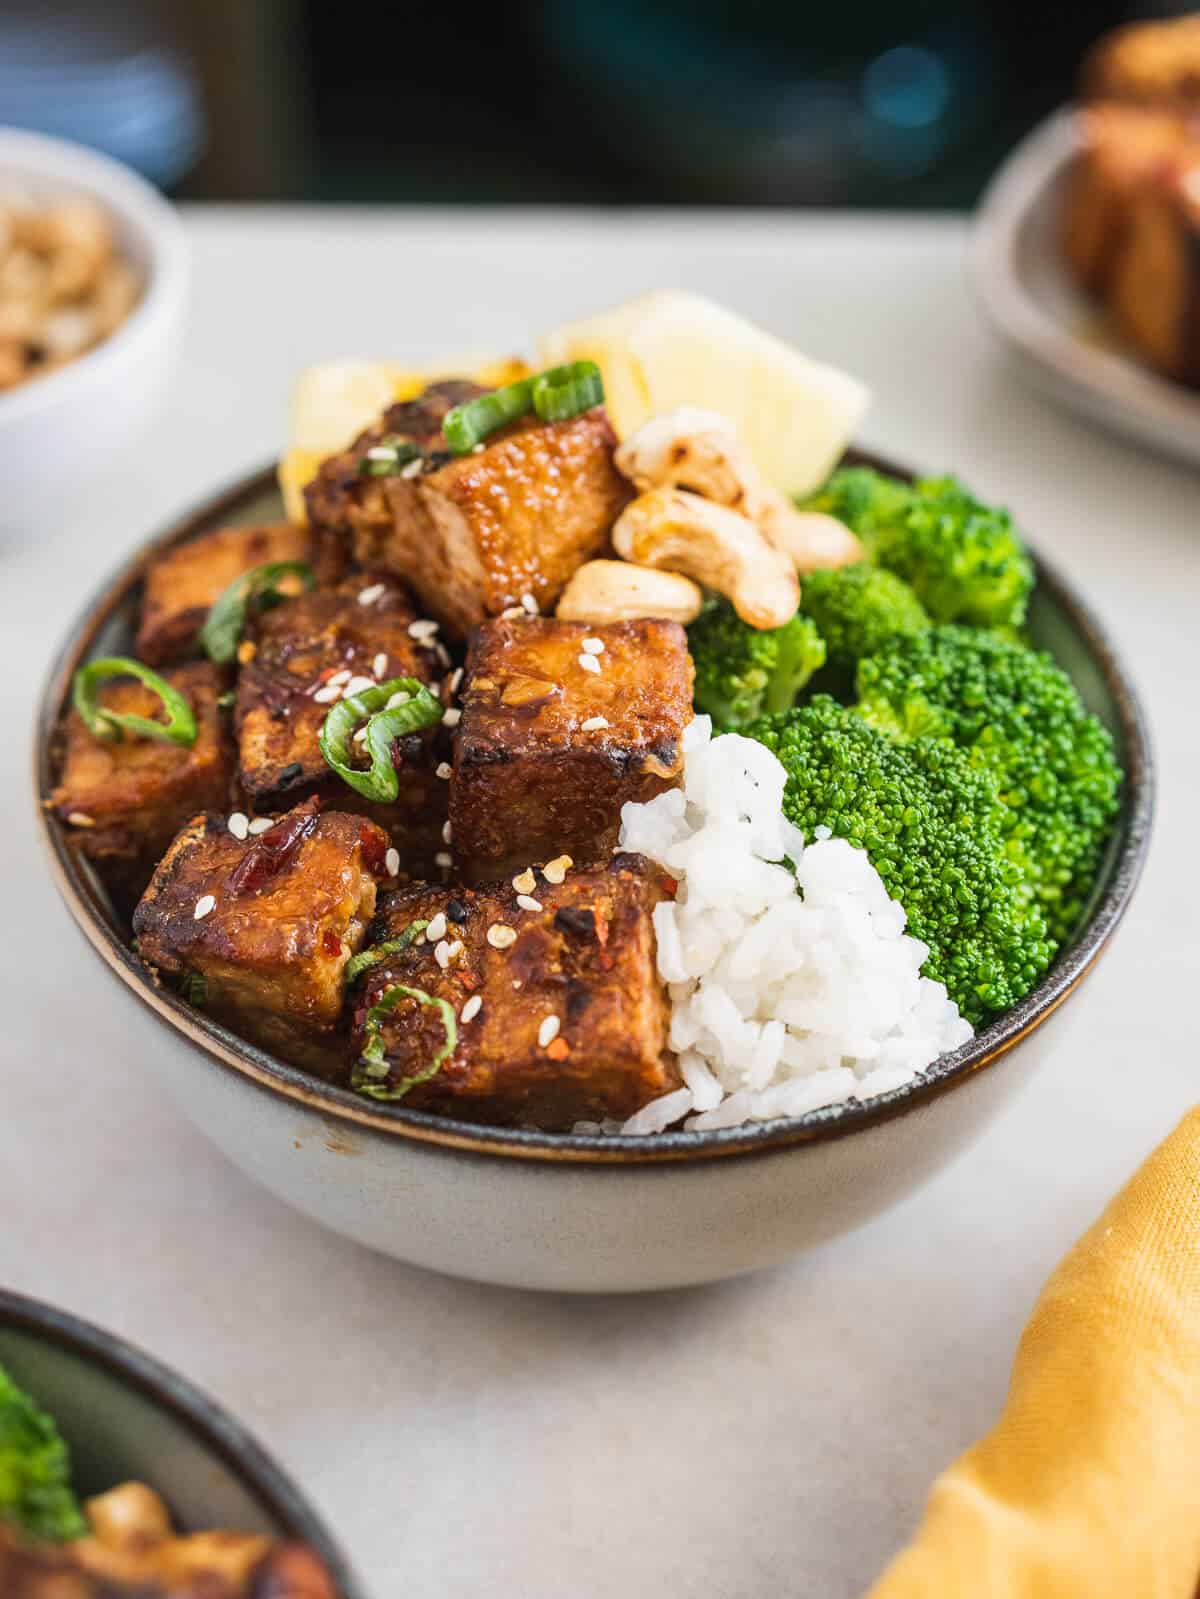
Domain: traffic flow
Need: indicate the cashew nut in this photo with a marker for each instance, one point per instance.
(699, 451)
(812, 539)
(720, 548)
(618, 591)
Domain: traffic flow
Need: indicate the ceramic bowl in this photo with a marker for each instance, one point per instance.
(125, 1416)
(559, 1211)
(59, 431)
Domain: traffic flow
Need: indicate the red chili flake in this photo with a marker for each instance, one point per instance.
(605, 961)
(331, 943)
(374, 848)
(468, 979)
(271, 850)
(601, 926)
(323, 677)
(670, 887)
(558, 1049)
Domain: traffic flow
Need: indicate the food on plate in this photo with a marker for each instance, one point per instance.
(794, 415)
(563, 723)
(65, 286)
(774, 810)
(1131, 218)
(532, 1001)
(120, 1544)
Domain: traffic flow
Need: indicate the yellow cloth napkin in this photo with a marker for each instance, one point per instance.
(1088, 1487)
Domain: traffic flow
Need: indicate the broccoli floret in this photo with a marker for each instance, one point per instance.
(929, 819)
(742, 671)
(35, 1470)
(1017, 714)
(858, 609)
(964, 559)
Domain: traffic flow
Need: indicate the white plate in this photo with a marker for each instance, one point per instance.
(1057, 333)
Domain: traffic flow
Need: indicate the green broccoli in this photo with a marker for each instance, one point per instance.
(858, 609)
(1017, 714)
(930, 821)
(35, 1470)
(964, 559)
(742, 671)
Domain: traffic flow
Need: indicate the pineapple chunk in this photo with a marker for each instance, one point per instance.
(333, 403)
(671, 349)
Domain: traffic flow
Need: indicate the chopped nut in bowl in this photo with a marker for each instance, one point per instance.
(93, 276)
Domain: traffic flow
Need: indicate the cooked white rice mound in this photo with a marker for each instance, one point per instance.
(781, 1001)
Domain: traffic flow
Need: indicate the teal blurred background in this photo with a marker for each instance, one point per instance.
(861, 103)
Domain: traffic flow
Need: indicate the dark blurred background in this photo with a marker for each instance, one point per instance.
(873, 103)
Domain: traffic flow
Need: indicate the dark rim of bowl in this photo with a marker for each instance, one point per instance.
(215, 1428)
(225, 1049)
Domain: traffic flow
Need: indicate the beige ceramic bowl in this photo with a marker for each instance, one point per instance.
(589, 1214)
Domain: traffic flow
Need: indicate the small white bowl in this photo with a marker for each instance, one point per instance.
(58, 431)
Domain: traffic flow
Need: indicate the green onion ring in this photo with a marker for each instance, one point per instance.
(365, 959)
(371, 1065)
(225, 621)
(470, 423)
(378, 781)
(562, 392)
(179, 728)
(402, 452)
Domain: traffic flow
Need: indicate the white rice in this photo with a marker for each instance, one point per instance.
(781, 1001)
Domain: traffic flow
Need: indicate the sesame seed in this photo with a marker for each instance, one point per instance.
(80, 819)
(443, 654)
(471, 1009)
(328, 693)
(379, 665)
(382, 452)
(554, 871)
(260, 824)
(589, 663)
(368, 596)
(412, 468)
(529, 604)
(444, 769)
(593, 724)
(436, 928)
(513, 613)
(358, 685)
(238, 824)
(592, 646)
(391, 862)
(360, 737)
(528, 903)
(455, 949)
(525, 882)
(341, 677)
(451, 717)
(246, 651)
(447, 832)
(442, 859)
(456, 678)
(548, 1031)
(517, 983)
(204, 905)
(423, 629)
(501, 937)
(400, 697)
(442, 954)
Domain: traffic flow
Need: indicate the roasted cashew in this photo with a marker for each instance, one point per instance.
(618, 591)
(812, 539)
(720, 548)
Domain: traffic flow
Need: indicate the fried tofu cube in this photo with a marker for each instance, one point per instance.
(562, 724)
(125, 799)
(304, 652)
(1147, 63)
(560, 1013)
(475, 534)
(1155, 290)
(266, 923)
(182, 585)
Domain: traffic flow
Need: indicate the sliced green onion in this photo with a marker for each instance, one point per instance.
(379, 780)
(365, 959)
(223, 626)
(470, 423)
(387, 457)
(194, 988)
(179, 728)
(562, 392)
(370, 1070)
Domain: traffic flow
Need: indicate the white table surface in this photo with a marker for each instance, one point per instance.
(772, 1435)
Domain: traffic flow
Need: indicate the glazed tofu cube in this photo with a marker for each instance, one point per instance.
(474, 534)
(125, 799)
(1155, 289)
(305, 652)
(562, 723)
(182, 585)
(561, 1016)
(266, 923)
